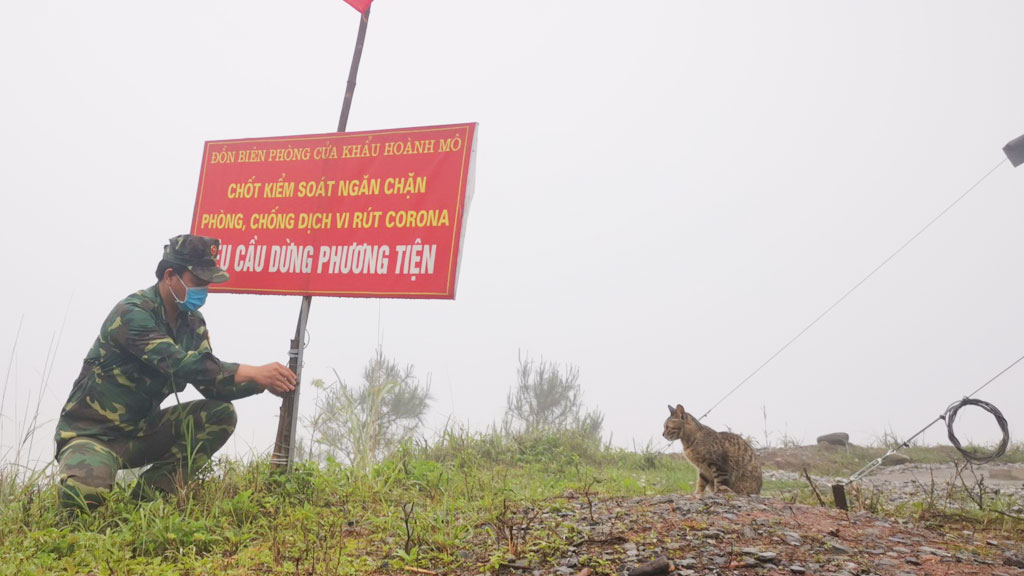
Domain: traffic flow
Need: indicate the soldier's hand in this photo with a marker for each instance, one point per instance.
(275, 377)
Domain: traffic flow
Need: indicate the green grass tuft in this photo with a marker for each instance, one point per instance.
(466, 502)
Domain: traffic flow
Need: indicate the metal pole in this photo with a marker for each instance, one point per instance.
(353, 70)
(284, 445)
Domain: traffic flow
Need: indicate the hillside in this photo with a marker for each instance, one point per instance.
(475, 505)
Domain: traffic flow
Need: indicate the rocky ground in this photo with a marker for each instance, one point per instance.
(724, 534)
(943, 485)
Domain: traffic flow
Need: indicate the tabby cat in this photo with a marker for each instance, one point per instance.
(724, 460)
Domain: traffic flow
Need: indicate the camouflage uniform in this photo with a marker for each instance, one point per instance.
(112, 418)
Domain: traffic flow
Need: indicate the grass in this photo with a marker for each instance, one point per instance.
(467, 502)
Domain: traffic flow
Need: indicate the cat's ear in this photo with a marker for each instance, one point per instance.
(671, 410)
(679, 409)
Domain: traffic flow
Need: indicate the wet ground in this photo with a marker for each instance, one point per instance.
(721, 534)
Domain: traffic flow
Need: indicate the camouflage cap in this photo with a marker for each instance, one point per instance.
(198, 254)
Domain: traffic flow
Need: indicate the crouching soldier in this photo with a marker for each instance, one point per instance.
(152, 344)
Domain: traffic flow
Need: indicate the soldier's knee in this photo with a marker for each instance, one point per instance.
(75, 495)
(87, 472)
(214, 422)
(221, 414)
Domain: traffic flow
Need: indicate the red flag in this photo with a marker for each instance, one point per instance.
(361, 5)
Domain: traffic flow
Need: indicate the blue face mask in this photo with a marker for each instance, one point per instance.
(194, 297)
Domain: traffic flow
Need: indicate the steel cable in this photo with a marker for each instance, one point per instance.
(977, 457)
(855, 287)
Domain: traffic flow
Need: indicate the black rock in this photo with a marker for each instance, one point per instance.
(653, 568)
(834, 439)
(1013, 560)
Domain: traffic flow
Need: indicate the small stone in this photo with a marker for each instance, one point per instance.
(655, 567)
(797, 569)
(674, 545)
(838, 547)
(933, 552)
(1013, 560)
(900, 550)
(792, 538)
(896, 460)
(564, 570)
(719, 560)
(684, 572)
(850, 567)
(749, 551)
(766, 557)
(912, 561)
(687, 563)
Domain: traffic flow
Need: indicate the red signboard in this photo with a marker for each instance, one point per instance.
(366, 214)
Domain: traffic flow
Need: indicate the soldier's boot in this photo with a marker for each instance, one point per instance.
(199, 429)
(87, 472)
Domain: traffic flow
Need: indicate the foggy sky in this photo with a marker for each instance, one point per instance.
(666, 192)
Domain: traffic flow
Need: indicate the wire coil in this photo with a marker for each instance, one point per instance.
(977, 457)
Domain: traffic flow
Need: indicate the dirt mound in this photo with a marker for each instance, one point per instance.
(686, 535)
(729, 534)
